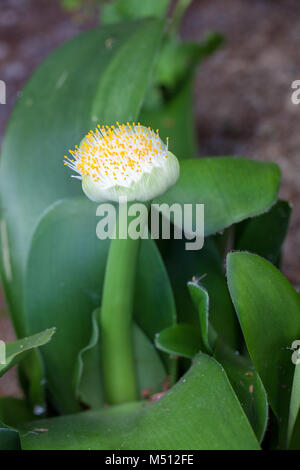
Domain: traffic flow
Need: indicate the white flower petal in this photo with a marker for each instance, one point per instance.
(124, 161)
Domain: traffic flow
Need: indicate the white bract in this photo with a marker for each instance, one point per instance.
(123, 161)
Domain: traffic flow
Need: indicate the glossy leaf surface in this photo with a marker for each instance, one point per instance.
(200, 412)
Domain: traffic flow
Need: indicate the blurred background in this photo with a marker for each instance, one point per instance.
(242, 92)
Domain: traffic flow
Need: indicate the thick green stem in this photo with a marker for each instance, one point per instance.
(116, 321)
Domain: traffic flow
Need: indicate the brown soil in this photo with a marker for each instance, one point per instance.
(243, 93)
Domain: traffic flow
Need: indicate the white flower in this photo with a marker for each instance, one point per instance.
(123, 161)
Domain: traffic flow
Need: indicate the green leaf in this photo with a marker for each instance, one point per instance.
(175, 119)
(87, 377)
(265, 234)
(178, 60)
(15, 351)
(154, 302)
(32, 380)
(150, 371)
(247, 385)
(151, 374)
(181, 340)
(268, 308)
(90, 78)
(14, 411)
(9, 438)
(231, 189)
(65, 275)
(120, 10)
(206, 265)
(200, 412)
(293, 437)
(201, 301)
(169, 102)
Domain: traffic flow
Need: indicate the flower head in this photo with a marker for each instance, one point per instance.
(123, 161)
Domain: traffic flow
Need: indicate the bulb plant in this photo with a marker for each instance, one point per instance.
(117, 163)
(130, 343)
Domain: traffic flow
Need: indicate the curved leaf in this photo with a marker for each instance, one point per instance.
(15, 351)
(206, 266)
(200, 412)
(180, 340)
(87, 375)
(150, 371)
(247, 385)
(268, 308)
(201, 301)
(231, 189)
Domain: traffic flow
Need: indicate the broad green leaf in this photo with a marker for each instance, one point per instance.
(231, 189)
(206, 265)
(201, 301)
(181, 340)
(268, 308)
(247, 385)
(150, 371)
(200, 412)
(265, 234)
(91, 78)
(9, 438)
(58, 283)
(120, 10)
(16, 351)
(64, 280)
(14, 411)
